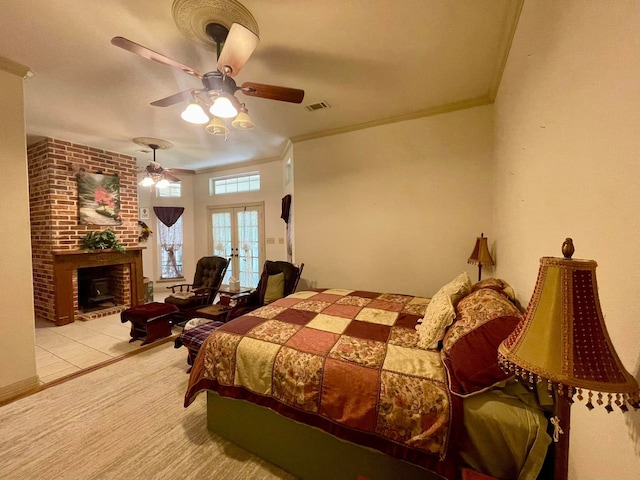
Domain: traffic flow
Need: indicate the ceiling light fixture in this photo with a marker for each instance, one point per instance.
(223, 108)
(217, 127)
(163, 182)
(147, 181)
(228, 28)
(243, 121)
(155, 174)
(194, 113)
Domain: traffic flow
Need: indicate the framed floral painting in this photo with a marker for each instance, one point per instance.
(98, 199)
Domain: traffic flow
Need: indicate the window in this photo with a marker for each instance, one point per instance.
(170, 246)
(247, 182)
(172, 190)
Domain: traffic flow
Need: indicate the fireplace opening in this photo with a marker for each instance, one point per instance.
(94, 288)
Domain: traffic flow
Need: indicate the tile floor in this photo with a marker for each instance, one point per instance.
(63, 350)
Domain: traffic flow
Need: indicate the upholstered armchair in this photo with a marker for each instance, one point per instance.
(206, 282)
(278, 280)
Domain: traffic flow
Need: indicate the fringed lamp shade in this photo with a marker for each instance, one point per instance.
(564, 340)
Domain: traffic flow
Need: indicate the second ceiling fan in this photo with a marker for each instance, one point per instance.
(234, 47)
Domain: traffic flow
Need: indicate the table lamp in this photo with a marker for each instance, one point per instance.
(563, 340)
(480, 254)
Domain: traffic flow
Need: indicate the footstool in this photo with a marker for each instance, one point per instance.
(151, 321)
(194, 334)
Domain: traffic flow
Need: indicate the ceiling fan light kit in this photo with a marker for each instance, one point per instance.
(223, 108)
(155, 174)
(229, 27)
(194, 114)
(147, 181)
(243, 121)
(217, 127)
(162, 183)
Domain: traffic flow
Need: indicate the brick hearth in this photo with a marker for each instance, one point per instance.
(53, 195)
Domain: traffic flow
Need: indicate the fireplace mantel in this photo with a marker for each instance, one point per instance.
(66, 262)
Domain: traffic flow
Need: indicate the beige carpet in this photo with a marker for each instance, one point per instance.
(123, 421)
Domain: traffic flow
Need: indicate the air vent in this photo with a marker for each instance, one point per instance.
(317, 106)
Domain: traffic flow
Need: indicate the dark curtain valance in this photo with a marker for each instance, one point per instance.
(286, 208)
(168, 215)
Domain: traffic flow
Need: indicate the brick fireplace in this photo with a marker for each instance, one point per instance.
(56, 232)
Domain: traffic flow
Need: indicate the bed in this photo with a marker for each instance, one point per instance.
(337, 383)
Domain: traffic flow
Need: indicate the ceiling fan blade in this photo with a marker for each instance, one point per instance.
(175, 98)
(238, 47)
(284, 94)
(183, 171)
(169, 176)
(151, 55)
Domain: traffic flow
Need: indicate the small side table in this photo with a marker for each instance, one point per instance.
(213, 312)
(228, 298)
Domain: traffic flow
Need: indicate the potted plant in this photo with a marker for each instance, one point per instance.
(101, 240)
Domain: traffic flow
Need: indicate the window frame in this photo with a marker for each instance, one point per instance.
(170, 189)
(228, 182)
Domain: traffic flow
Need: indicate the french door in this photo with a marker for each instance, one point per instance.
(237, 232)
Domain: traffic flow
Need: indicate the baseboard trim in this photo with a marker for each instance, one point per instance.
(19, 388)
(37, 387)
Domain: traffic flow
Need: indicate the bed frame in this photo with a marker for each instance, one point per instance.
(312, 454)
(304, 451)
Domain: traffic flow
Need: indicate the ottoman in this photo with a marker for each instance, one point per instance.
(150, 321)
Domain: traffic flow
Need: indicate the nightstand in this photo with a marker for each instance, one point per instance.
(213, 312)
(229, 298)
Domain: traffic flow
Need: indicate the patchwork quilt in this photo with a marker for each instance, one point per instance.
(345, 361)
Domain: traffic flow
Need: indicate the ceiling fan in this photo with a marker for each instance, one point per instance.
(156, 174)
(234, 47)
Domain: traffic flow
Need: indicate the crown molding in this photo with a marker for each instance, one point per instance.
(512, 17)
(429, 112)
(15, 68)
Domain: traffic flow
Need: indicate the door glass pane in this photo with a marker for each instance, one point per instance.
(248, 247)
(221, 233)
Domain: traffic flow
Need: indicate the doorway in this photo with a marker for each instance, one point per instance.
(237, 232)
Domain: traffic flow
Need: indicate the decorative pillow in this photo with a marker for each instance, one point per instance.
(496, 284)
(484, 319)
(440, 312)
(275, 288)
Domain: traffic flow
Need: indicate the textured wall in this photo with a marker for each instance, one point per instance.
(567, 165)
(394, 208)
(17, 345)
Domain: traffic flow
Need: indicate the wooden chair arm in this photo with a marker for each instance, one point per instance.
(184, 287)
(243, 299)
(205, 295)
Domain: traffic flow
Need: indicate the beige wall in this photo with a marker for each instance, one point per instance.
(567, 143)
(17, 342)
(394, 208)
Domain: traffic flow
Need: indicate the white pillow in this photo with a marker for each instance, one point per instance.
(440, 312)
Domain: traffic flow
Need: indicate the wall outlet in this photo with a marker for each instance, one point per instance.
(281, 240)
(271, 240)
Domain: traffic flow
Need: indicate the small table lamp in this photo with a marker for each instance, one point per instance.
(563, 339)
(480, 254)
